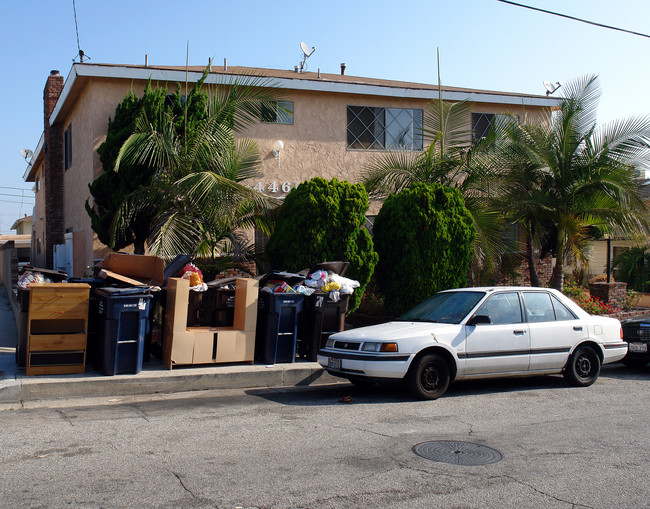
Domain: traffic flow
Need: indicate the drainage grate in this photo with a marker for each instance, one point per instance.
(457, 453)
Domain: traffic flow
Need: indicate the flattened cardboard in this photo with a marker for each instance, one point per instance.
(207, 345)
(109, 274)
(147, 270)
(203, 345)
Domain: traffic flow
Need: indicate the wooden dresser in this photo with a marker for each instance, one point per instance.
(57, 328)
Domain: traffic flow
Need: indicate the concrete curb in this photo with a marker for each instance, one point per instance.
(160, 381)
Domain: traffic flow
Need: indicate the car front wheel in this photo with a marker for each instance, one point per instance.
(583, 368)
(429, 377)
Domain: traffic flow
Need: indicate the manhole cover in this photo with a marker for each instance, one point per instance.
(457, 453)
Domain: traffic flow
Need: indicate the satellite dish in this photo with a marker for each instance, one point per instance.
(306, 54)
(26, 153)
(305, 49)
(550, 88)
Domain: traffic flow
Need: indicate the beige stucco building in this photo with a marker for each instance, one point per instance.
(339, 124)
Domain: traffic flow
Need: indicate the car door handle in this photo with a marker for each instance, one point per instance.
(518, 332)
(576, 328)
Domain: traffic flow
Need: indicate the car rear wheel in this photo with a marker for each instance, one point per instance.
(583, 368)
(429, 377)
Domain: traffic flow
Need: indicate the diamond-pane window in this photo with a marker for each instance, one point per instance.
(481, 123)
(371, 128)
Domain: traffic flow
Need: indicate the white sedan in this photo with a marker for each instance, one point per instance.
(472, 333)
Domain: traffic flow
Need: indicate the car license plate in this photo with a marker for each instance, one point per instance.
(638, 347)
(333, 363)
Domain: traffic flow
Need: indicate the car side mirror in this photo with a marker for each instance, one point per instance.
(479, 320)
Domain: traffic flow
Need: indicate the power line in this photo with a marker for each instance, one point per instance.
(574, 18)
(19, 202)
(17, 188)
(17, 196)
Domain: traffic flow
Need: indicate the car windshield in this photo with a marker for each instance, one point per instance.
(444, 307)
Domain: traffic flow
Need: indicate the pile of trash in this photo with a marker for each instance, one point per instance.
(195, 276)
(28, 278)
(321, 281)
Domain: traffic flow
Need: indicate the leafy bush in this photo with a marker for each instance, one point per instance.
(320, 221)
(631, 299)
(595, 306)
(423, 236)
(574, 290)
(582, 297)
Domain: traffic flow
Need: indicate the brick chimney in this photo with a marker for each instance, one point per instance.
(53, 169)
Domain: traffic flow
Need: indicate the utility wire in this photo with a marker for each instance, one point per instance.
(17, 196)
(18, 202)
(574, 18)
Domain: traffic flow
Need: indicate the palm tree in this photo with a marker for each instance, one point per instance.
(570, 176)
(633, 266)
(450, 159)
(196, 193)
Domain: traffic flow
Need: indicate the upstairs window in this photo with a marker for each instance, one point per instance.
(371, 128)
(481, 123)
(67, 148)
(277, 112)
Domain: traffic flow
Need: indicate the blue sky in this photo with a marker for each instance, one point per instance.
(483, 44)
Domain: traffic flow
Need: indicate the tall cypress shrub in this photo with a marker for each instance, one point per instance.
(423, 236)
(110, 188)
(323, 220)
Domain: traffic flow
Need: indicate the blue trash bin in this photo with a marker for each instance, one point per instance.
(124, 317)
(278, 319)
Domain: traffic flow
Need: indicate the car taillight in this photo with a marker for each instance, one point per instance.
(621, 332)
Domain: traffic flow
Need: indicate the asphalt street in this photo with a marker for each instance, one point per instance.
(335, 446)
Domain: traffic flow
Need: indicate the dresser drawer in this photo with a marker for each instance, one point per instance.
(64, 300)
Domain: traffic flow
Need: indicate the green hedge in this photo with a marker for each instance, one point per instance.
(320, 221)
(423, 236)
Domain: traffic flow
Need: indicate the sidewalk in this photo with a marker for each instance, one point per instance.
(16, 387)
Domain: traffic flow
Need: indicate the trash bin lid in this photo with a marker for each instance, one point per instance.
(111, 291)
(218, 283)
(339, 268)
(175, 266)
(290, 278)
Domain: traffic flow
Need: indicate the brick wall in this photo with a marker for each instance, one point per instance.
(521, 277)
(53, 169)
(611, 293)
(250, 266)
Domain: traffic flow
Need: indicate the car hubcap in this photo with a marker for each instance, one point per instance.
(430, 378)
(584, 367)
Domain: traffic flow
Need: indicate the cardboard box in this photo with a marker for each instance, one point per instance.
(132, 269)
(209, 345)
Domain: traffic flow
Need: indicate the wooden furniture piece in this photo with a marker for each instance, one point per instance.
(57, 328)
(209, 345)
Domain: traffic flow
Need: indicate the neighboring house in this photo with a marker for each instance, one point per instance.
(599, 261)
(339, 124)
(23, 226)
(14, 252)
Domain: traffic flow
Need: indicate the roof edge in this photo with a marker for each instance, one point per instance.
(326, 84)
